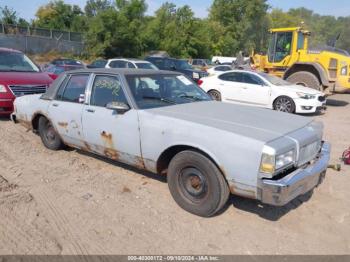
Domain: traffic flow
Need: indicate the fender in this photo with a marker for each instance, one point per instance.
(323, 76)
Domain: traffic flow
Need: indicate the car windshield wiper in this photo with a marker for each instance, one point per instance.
(160, 99)
(195, 98)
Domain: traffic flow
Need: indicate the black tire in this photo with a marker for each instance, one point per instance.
(196, 184)
(48, 135)
(216, 95)
(284, 104)
(305, 79)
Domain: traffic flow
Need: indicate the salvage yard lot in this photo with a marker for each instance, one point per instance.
(69, 202)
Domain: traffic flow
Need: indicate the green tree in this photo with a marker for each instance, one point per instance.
(58, 15)
(8, 15)
(93, 7)
(117, 31)
(242, 24)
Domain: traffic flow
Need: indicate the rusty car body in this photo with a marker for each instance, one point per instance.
(256, 153)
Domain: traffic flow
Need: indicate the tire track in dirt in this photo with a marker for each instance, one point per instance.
(19, 232)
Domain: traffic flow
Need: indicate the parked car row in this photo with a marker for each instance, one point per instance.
(162, 122)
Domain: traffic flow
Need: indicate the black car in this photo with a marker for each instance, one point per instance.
(179, 65)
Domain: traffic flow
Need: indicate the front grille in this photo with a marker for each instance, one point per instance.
(309, 152)
(321, 98)
(21, 90)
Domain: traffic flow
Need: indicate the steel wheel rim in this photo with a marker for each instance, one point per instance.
(284, 105)
(50, 133)
(193, 184)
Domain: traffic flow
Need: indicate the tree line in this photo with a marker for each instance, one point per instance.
(123, 27)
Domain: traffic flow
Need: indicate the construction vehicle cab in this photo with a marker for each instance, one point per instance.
(289, 57)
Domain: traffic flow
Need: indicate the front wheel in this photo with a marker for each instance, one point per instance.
(284, 104)
(196, 184)
(48, 135)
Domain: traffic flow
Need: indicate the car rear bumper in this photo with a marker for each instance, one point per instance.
(6, 106)
(280, 192)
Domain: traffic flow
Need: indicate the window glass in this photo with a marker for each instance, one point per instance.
(301, 39)
(233, 77)
(118, 64)
(75, 88)
(131, 65)
(145, 65)
(252, 79)
(151, 91)
(283, 45)
(222, 68)
(107, 89)
(15, 61)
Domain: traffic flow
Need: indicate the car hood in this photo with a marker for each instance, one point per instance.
(25, 78)
(303, 89)
(257, 123)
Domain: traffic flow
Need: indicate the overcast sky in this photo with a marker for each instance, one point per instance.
(27, 8)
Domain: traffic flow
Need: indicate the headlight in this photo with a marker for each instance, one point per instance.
(3, 89)
(284, 159)
(344, 70)
(305, 96)
(195, 75)
(271, 162)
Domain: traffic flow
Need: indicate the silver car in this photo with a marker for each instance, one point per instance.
(162, 122)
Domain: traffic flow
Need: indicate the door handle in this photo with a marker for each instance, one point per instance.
(90, 110)
(55, 104)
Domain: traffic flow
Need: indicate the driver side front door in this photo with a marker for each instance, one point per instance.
(108, 132)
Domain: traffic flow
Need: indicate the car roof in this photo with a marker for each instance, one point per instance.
(51, 92)
(124, 71)
(3, 49)
(128, 59)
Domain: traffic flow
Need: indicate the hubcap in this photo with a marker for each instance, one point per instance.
(193, 184)
(284, 105)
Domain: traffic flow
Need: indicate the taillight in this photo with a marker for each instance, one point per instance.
(199, 82)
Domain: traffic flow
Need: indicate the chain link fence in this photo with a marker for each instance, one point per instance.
(40, 32)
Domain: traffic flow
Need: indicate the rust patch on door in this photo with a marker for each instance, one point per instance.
(108, 138)
(111, 153)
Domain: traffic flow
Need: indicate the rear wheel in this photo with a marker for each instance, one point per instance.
(215, 95)
(305, 79)
(48, 134)
(284, 104)
(196, 184)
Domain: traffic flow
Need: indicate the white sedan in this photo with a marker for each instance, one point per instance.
(263, 90)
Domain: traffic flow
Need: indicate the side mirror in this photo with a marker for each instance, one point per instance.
(173, 67)
(118, 106)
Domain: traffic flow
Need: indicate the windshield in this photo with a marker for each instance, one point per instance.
(152, 91)
(146, 66)
(274, 80)
(183, 64)
(17, 62)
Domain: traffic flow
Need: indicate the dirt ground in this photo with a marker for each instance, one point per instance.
(69, 202)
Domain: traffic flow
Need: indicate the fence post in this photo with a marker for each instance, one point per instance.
(3, 28)
(69, 36)
(51, 35)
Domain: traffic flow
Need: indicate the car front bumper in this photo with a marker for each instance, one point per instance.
(280, 192)
(303, 106)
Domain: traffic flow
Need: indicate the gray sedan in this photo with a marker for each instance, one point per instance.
(162, 122)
